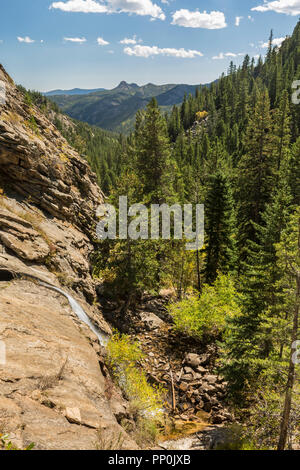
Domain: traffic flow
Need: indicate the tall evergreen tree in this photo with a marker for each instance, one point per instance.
(255, 171)
(153, 155)
(220, 228)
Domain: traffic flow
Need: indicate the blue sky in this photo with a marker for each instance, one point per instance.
(47, 44)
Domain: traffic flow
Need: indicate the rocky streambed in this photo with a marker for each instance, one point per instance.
(196, 407)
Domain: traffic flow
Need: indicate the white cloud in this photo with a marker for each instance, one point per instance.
(138, 7)
(127, 41)
(102, 42)
(77, 40)
(238, 20)
(222, 56)
(288, 7)
(26, 39)
(79, 6)
(276, 42)
(219, 57)
(196, 19)
(148, 51)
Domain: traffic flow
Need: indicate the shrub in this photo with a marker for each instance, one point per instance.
(207, 314)
(201, 115)
(146, 401)
(263, 424)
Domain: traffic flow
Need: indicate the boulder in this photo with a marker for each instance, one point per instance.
(192, 360)
(211, 379)
(151, 321)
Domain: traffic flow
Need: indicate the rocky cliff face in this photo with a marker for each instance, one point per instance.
(53, 388)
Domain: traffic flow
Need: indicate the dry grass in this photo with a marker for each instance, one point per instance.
(108, 441)
(51, 381)
(11, 117)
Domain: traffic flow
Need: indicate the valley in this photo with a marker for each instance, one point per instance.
(115, 109)
(139, 343)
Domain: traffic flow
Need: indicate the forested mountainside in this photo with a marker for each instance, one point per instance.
(236, 148)
(74, 91)
(217, 327)
(115, 109)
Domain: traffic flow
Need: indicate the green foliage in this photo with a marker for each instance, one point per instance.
(152, 155)
(6, 444)
(123, 357)
(265, 416)
(121, 350)
(220, 228)
(256, 170)
(207, 314)
(259, 339)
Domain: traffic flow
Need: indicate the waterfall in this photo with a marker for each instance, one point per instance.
(78, 310)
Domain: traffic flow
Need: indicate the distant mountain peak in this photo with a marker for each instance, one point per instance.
(116, 109)
(126, 85)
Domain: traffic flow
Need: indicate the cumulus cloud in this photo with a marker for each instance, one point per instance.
(77, 40)
(238, 20)
(128, 41)
(102, 42)
(79, 6)
(196, 19)
(223, 55)
(138, 7)
(288, 7)
(276, 42)
(148, 51)
(26, 39)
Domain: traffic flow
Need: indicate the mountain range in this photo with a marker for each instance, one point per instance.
(115, 109)
(74, 91)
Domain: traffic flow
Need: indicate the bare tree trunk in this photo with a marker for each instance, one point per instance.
(199, 287)
(179, 294)
(173, 390)
(282, 344)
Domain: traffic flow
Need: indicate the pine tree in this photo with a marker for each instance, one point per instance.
(252, 340)
(153, 155)
(220, 228)
(281, 131)
(256, 171)
(294, 172)
(288, 251)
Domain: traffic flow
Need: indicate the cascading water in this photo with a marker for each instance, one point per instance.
(78, 310)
